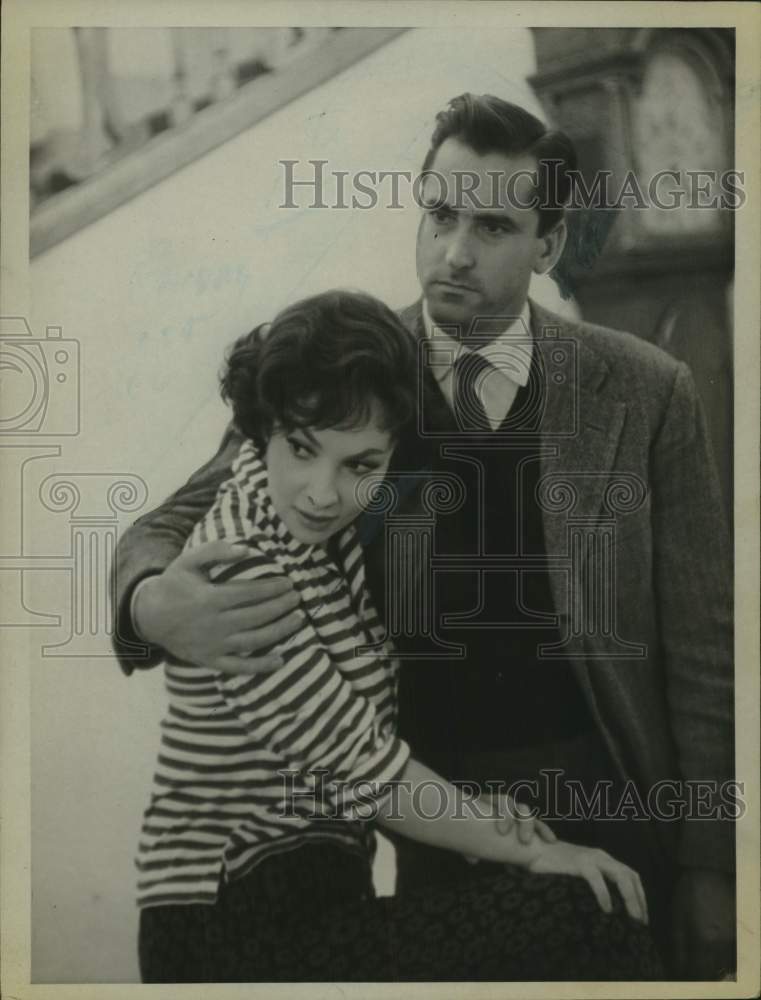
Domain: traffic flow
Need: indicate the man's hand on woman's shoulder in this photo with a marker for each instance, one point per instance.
(229, 626)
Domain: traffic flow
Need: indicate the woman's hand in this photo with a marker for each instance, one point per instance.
(594, 866)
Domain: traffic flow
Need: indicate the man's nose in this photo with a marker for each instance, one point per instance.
(460, 252)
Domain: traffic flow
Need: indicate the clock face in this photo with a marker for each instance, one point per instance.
(679, 125)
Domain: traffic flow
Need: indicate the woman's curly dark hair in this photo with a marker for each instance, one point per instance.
(322, 363)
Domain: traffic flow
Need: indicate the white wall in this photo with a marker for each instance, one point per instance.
(154, 292)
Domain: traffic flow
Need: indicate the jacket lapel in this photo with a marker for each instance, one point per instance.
(581, 426)
(581, 431)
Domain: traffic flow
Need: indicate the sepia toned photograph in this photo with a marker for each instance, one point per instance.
(379, 438)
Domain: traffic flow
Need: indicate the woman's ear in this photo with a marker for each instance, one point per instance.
(553, 243)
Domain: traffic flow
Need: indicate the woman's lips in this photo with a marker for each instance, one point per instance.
(315, 522)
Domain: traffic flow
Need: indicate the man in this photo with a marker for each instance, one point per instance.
(552, 430)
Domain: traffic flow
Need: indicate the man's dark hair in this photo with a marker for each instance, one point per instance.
(322, 363)
(490, 125)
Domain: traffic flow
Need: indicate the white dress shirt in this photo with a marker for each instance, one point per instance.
(509, 354)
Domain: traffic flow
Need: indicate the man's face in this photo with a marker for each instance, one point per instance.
(474, 261)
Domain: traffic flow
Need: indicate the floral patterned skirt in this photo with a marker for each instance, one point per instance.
(310, 915)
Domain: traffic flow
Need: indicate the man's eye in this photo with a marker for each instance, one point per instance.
(495, 228)
(441, 215)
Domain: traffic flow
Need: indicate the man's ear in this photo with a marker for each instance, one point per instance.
(553, 243)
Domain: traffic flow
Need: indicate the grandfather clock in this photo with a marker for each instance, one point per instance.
(645, 104)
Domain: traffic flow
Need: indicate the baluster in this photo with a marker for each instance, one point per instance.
(181, 109)
(222, 82)
(93, 68)
(251, 51)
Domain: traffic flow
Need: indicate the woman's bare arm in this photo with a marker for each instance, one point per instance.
(426, 808)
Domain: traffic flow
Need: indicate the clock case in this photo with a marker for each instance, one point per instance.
(641, 100)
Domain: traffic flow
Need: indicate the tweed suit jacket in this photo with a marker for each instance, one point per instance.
(624, 443)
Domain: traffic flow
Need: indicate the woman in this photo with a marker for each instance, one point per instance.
(255, 856)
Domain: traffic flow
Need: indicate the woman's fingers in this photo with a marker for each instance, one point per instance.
(628, 884)
(545, 833)
(593, 876)
(595, 866)
(526, 822)
(640, 890)
(622, 877)
(508, 816)
(514, 813)
(504, 824)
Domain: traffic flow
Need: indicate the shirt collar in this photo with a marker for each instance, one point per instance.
(510, 352)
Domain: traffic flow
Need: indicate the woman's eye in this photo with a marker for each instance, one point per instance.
(299, 448)
(362, 468)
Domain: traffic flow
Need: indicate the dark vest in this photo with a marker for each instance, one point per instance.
(502, 694)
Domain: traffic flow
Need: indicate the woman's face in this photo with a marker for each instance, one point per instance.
(314, 475)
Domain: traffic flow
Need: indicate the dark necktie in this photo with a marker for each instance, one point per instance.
(469, 371)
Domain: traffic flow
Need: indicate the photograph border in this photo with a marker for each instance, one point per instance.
(18, 17)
